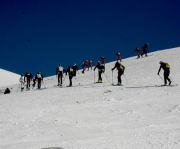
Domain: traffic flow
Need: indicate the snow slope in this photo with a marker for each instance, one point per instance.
(8, 78)
(138, 115)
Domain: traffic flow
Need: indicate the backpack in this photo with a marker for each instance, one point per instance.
(70, 70)
(38, 75)
(121, 67)
(167, 65)
(60, 68)
(21, 79)
(102, 68)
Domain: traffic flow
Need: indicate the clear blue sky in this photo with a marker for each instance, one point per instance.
(36, 35)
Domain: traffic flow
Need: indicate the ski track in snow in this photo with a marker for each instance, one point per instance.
(138, 115)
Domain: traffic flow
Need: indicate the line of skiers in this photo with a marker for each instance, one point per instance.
(71, 71)
(87, 63)
(145, 50)
(28, 77)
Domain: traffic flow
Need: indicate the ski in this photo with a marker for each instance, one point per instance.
(69, 86)
(166, 85)
(58, 86)
(98, 82)
(116, 85)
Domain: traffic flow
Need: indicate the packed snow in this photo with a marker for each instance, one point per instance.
(137, 115)
(8, 78)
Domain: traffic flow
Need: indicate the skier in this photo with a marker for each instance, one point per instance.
(59, 74)
(100, 71)
(7, 91)
(120, 69)
(28, 78)
(75, 68)
(70, 72)
(84, 64)
(138, 52)
(34, 81)
(39, 78)
(103, 62)
(118, 54)
(145, 49)
(166, 68)
(89, 64)
(21, 80)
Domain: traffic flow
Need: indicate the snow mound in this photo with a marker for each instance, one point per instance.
(8, 78)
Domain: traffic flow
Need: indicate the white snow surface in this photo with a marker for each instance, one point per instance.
(8, 78)
(138, 115)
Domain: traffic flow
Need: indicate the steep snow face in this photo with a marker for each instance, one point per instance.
(8, 78)
(136, 115)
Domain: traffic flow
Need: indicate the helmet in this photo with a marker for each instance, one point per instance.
(59, 65)
(98, 62)
(26, 71)
(75, 64)
(39, 72)
(160, 62)
(147, 43)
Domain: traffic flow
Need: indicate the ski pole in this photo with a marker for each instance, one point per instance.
(64, 78)
(94, 76)
(112, 77)
(173, 81)
(106, 77)
(161, 78)
(76, 80)
(18, 87)
(126, 79)
(43, 84)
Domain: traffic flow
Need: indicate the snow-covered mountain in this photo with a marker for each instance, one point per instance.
(138, 115)
(8, 78)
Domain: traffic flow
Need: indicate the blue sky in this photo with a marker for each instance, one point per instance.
(36, 35)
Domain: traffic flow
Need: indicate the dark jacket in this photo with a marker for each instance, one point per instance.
(28, 76)
(99, 66)
(145, 47)
(60, 71)
(70, 72)
(75, 68)
(119, 66)
(163, 66)
(39, 76)
(137, 50)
